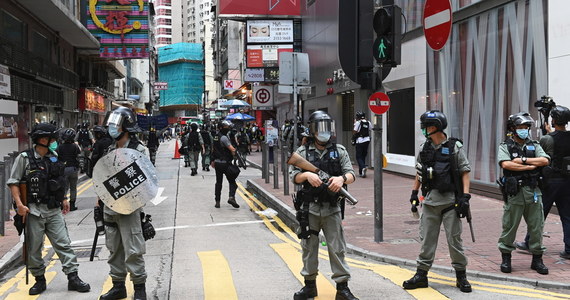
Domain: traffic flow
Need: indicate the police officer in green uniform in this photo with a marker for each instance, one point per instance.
(208, 146)
(223, 155)
(443, 173)
(324, 209)
(521, 159)
(43, 173)
(123, 233)
(195, 145)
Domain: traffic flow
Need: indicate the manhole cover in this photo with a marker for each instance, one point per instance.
(86, 252)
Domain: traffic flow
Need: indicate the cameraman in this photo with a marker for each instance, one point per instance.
(557, 177)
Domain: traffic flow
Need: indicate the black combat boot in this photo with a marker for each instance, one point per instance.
(72, 206)
(76, 284)
(193, 172)
(506, 264)
(232, 202)
(207, 168)
(217, 205)
(419, 280)
(308, 291)
(39, 286)
(140, 291)
(343, 292)
(118, 291)
(538, 265)
(462, 282)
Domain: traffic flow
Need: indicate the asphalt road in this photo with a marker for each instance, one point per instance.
(201, 252)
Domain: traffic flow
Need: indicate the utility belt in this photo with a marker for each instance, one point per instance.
(302, 200)
(511, 184)
(50, 201)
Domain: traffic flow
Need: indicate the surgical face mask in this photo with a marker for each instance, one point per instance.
(424, 131)
(53, 146)
(114, 132)
(523, 133)
(323, 137)
(224, 131)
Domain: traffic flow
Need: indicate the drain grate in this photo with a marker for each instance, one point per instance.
(86, 252)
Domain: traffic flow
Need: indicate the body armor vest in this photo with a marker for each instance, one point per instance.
(45, 180)
(194, 141)
(206, 137)
(436, 172)
(330, 164)
(83, 138)
(525, 178)
(364, 129)
(220, 152)
(68, 153)
(561, 158)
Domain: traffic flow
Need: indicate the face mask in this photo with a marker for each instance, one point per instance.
(323, 137)
(53, 146)
(522, 133)
(424, 131)
(114, 132)
(224, 131)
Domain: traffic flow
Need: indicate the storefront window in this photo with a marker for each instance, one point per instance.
(494, 65)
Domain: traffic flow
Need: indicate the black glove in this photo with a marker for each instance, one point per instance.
(462, 205)
(414, 200)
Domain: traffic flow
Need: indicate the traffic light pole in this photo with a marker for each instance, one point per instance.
(378, 164)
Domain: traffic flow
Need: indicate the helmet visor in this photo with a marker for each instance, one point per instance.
(115, 119)
(322, 126)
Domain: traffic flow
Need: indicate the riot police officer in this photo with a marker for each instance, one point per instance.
(43, 173)
(222, 157)
(443, 174)
(243, 143)
(152, 144)
(208, 146)
(123, 233)
(102, 142)
(324, 209)
(85, 139)
(361, 136)
(521, 159)
(557, 176)
(68, 153)
(193, 140)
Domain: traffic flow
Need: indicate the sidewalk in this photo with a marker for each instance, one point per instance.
(401, 243)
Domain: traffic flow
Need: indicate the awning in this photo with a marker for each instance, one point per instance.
(141, 111)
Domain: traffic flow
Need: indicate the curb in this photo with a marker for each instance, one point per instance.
(288, 216)
(14, 254)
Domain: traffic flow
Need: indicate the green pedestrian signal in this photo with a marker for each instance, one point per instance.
(388, 27)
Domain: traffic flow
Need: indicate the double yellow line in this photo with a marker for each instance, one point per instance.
(394, 273)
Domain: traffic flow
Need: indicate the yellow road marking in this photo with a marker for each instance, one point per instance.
(398, 275)
(218, 281)
(22, 288)
(292, 257)
(405, 273)
(109, 284)
(90, 181)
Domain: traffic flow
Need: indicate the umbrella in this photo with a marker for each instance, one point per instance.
(240, 117)
(234, 104)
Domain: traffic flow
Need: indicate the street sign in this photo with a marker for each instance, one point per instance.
(286, 68)
(263, 97)
(379, 103)
(288, 89)
(160, 86)
(437, 22)
(229, 85)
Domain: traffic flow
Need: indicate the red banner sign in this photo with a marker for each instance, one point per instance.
(261, 7)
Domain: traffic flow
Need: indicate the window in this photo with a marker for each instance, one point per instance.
(41, 46)
(12, 29)
(401, 122)
(347, 112)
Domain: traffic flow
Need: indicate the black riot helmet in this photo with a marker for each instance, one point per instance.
(125, 118)
(360, 115)
(433, 118)
(194, 126)
(321, 126)
(560, 115)
(225, 126)
(99, 132)
(68, 135)
(41, 130)
(522, 118)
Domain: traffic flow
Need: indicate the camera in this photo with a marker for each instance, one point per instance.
(545, 105)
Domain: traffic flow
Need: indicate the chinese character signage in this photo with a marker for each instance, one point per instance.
(265, 56)
(5, 87)
(122, 27)
(90, 100)
(267, 31)
(260, 7)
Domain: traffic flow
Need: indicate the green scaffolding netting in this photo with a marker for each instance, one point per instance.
(182, 67)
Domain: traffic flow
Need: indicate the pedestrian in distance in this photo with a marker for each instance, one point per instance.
(208, 146)
(243, 143)
(152, 144)
(361, 140)
(195, 145)
(443, 174)
(321, 206)
(68, 153)
(85, 140)
(222, 157)
(44, 207)
(521, 160)
(123, 233)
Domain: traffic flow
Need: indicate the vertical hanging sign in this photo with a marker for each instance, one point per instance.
(122, 27)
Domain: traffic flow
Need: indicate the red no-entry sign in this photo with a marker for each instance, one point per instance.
(379, 103)
(437, 22)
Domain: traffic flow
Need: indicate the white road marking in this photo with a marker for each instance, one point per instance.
(158, 199)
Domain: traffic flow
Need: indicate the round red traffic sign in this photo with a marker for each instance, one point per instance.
(379, 103)
(437, 22)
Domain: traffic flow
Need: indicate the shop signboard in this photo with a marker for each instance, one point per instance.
(259, 7)
(122, 27)
(270, 31)
(5, 87)
(91, 101)
(265, 56)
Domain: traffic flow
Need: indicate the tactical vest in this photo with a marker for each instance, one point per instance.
(330, 164)
(561, 158)
(220, 152)
(83, 138)
(364, 129)
(68, 153)
(436, 172)
(525, 178)
(194, 141)
(206, 137)
(45, 180)
(242, 139)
